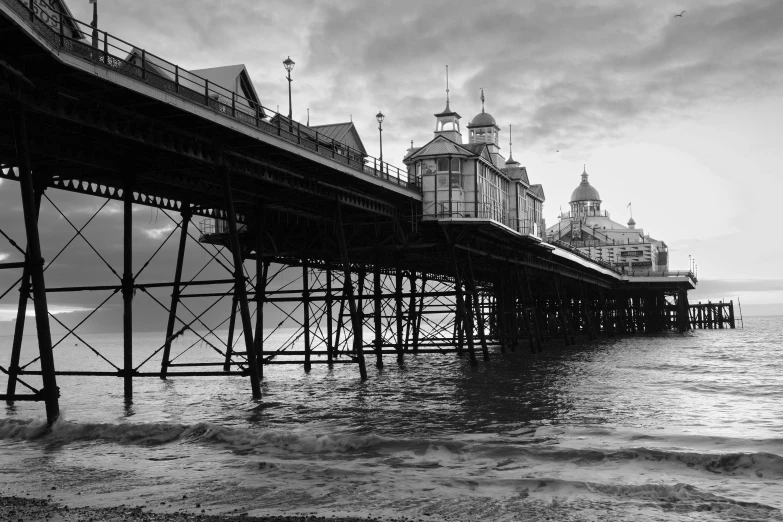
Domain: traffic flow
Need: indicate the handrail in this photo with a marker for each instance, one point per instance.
(129, 60)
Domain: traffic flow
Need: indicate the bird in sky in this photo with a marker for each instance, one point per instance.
(680, 15)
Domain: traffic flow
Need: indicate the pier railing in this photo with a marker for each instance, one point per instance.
(67, 34)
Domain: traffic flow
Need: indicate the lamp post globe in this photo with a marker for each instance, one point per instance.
(380, 117)
(288, 63)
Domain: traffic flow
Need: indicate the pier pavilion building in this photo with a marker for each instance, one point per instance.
(593, 232)
(473, 180)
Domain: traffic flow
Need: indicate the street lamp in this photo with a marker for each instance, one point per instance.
(288, 63)
(379, 117)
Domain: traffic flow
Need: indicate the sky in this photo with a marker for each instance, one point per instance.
(679, 116)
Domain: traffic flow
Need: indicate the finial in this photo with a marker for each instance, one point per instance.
(510, 154)
(482, 100)
(411, 144)
(308, 116)
(351, 116)
(447, 88)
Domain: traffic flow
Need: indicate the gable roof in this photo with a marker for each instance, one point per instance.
(152, 63)
(517, 174)
(538, 191)
(226, 77)
(439, 146)
(338, 132)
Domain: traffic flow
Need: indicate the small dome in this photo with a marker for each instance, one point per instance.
(585, 191)
(483, 119)
(631, 223)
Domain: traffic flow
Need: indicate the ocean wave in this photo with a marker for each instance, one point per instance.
(63, 432)
(415, 451)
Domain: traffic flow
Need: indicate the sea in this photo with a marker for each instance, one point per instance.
(655, 427)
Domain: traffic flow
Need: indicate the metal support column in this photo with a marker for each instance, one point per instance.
(232, 322)
(306, 309)
(183, 237)
(378, 309)
(127, 287)
(356, 320)
(262, 271)
(34, 261)
(21, 313)
(239, 284)
(329, 313)
(398, 310)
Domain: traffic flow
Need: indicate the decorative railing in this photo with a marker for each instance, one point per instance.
(576, 251)
(660, 273)
(124, 58)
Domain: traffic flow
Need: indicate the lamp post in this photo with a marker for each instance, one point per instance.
(379, 117)
(288, 63)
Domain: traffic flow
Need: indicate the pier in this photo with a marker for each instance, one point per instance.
(345, 246)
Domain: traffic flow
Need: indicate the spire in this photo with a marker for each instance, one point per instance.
(510, 154)
(482, 100)
(584, 174)
(308, 116)
(447, 89)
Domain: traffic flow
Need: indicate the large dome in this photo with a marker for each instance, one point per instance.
(483, 119)
(585, 191)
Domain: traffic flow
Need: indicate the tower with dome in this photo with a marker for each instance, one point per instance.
(592, 231)
(473, 181)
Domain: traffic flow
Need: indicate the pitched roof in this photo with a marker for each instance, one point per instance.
(152, 63)
(338, 132)
(226, 77)
(411, 152)
(538, 190)
(440, 146)
(517, 174)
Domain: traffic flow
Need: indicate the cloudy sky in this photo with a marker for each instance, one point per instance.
(680, 116)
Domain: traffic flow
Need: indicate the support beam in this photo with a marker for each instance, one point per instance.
(398, 310)
(306, 312)
(262, 272)
(127, 287)
(329, 313)
(51, 392)
(378, 312)
(183, 237)
(232, 322)
(239, 284)
(21, 313)
(356, 320)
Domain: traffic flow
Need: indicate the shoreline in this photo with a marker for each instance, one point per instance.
(15, 509)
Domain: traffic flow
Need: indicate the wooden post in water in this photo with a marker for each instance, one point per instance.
(731, 314)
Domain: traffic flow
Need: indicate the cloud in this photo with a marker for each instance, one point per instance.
(158, 233)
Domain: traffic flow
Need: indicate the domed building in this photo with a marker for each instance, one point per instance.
(593, 232)
(473, 180)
